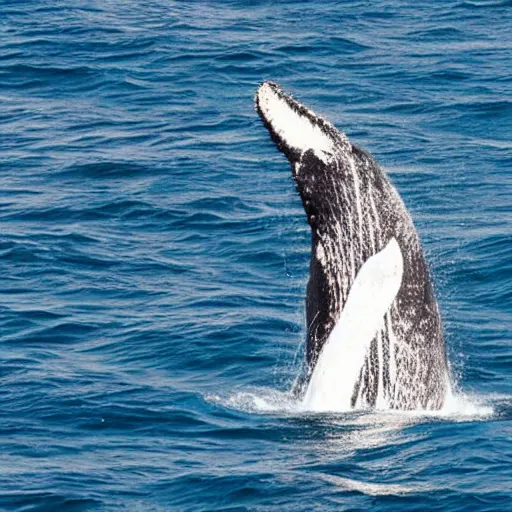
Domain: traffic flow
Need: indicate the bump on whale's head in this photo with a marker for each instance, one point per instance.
(294, 128)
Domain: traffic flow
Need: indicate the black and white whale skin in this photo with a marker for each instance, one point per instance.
(372, 317)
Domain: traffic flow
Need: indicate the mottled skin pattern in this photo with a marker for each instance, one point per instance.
(354, 211)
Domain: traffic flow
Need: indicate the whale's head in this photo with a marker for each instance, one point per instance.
(294, 128)
(314, 147)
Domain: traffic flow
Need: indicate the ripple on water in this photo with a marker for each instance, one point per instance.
(154, 253)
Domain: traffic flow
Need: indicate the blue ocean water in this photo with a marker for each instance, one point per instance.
(154, 252)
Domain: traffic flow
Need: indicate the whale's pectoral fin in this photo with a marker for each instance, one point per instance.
(376, 285)
(374, 289)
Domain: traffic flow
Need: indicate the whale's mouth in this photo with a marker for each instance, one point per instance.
(292, 126)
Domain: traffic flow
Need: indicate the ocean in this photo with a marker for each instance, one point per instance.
(154, 252)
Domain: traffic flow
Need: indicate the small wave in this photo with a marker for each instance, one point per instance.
(371, 488)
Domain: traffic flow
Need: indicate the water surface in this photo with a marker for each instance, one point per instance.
(154, 252)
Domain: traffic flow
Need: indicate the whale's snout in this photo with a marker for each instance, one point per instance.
(294, 128)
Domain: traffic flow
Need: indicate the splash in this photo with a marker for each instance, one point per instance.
(259, 401)
(458, 406)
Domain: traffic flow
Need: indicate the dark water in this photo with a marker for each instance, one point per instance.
(154, 253)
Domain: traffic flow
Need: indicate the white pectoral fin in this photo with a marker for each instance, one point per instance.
(342, 357)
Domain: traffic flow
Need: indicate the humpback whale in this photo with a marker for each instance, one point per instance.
(374, 332)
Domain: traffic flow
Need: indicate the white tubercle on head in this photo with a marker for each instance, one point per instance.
(298, 131)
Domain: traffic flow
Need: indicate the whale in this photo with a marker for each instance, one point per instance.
(374, 330)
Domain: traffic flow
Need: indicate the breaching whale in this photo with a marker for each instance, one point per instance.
(374, 333)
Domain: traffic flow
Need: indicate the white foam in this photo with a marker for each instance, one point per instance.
(458, 404)
(296, 130)
(261, 400)
(338, 367)
(458, 407)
